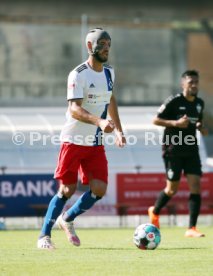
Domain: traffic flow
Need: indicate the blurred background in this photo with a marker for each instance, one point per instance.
(153, 42)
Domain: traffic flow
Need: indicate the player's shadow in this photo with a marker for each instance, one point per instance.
(182, 248)
(107, 248)
(160, 248)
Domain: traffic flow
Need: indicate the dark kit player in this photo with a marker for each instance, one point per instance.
(181, 115)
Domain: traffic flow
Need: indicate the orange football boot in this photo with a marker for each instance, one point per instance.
(193, 233)
(154, 219)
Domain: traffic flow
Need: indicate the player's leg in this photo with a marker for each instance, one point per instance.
(173, 172)
(68, 227)
(84, 203)
(163, 198)
(193, 173)
(64, 174)
(55, 208)
(93, 170)
(87, 200)
(194, 205)
(194, 199)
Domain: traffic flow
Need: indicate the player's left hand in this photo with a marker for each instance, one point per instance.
(204, 131)
(120, 139)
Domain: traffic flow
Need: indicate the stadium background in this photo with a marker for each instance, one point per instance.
(40, 42)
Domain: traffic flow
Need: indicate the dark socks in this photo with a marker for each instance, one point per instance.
(194, 209)
(161, 201)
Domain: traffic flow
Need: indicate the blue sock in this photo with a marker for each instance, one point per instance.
(85, 202)
(55, 208)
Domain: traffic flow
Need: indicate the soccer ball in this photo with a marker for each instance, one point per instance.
(147, 236)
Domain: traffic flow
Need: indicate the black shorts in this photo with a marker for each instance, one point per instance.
(176, 164)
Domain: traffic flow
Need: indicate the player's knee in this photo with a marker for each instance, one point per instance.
(98, 188)
(99, 192)
(67, 191)
(194, 188)
(171, 192)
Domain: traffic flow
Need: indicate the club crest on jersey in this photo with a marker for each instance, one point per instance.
(198, 107)
(170, 173)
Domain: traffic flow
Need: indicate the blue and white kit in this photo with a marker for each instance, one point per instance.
(95, 89)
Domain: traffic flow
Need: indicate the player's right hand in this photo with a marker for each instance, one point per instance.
(106, 126)
(183, 122)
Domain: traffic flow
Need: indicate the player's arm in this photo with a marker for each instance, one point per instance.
(199, 125)
(183, 122)
(113, 113)
(80, 114)
(164, 115)
(203, 130)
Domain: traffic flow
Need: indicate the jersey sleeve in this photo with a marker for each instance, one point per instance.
(75, 86)
(112, 74)
(165, 109)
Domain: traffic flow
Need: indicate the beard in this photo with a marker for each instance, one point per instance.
(193, 93)
(99, 58)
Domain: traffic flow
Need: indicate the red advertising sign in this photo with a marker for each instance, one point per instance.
(137, 192)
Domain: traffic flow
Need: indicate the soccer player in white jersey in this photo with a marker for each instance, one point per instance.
(90, 97)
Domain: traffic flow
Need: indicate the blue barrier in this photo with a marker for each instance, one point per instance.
(26, 195)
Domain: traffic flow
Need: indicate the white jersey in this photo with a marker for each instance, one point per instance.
(95, 89)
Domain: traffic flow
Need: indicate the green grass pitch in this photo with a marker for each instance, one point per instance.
(106, 252)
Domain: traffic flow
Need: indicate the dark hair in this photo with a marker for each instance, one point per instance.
(190, 73)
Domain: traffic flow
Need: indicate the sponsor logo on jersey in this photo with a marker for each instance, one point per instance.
(92, 85)
(93, 96)
(182, 108)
